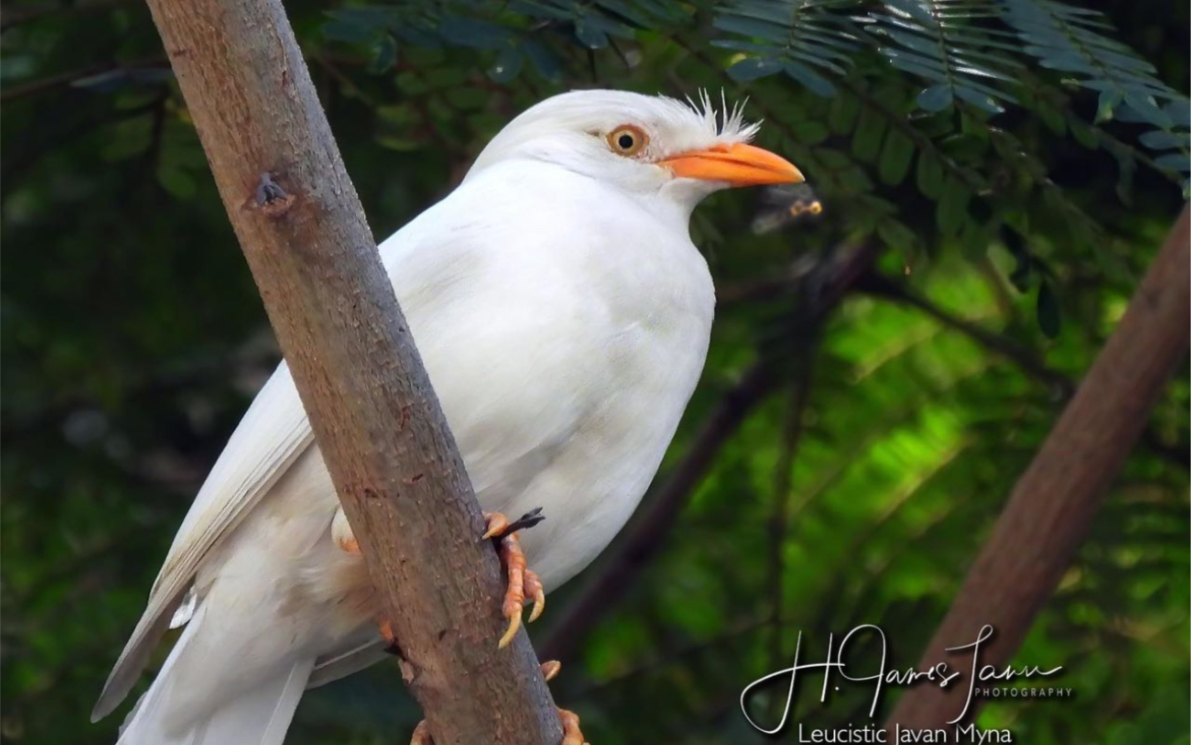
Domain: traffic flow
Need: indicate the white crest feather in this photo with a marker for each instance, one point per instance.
(728, 122)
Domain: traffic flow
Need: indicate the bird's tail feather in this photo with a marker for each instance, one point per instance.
(259, 716)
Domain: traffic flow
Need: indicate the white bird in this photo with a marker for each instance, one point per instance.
(563, 316)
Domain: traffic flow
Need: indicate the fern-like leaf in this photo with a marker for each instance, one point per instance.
(1067, 38)
(798, 37)
(941, 42)
(1070, 39)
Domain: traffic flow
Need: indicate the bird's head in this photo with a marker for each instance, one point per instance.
(650, 145)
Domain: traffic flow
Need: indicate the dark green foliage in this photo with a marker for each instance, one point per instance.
(133, 337)
(939, 42)
(797, 37)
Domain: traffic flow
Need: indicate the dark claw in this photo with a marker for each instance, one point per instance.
(528, 520)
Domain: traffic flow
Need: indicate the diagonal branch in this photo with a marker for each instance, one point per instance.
(1052, 505)
(376, 419)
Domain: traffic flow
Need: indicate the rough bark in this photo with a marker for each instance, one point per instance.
(1052, 504)
(374, 414)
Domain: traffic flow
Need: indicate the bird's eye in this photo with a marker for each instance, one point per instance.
(627, 140)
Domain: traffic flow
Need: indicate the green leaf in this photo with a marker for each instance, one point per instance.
(842, 115)
(866, 140)
(384, 55)
(470, 32)
(411, 84)
(809, 131)
(1174, 161)
(349, 31)
(979, 98)
(813, 81)
(1051, 117)
(544, 60)
(1164, 140)
(590, 36)
(754, 68)
(832, 159)
(952, 210)
(974, 241)
(895, 157)
(468, 98)
(967, 147)
(506, 67)
(1022, 273)
(935, 98)
(897, 236)
(177, 181)
(1107, 105)
(930, 175)
(1085, 135)
(1047, 310)
(1126, 167)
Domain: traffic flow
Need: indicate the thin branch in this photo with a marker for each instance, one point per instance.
(779, 525)
(1019, 355)
(1024, 358)
(12, 17)
(1051, 508)
(70, 77)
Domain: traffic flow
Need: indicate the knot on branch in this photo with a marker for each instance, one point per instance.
(270, 198)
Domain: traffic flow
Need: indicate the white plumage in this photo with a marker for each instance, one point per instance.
(563, 316)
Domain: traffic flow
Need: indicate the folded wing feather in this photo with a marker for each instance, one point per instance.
(272, 434)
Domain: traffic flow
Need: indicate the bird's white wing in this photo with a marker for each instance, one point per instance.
(272, 434)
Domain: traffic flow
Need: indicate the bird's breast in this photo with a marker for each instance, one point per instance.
(564, 328)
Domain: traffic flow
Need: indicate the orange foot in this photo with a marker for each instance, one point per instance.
(522, 581)
(571, 734)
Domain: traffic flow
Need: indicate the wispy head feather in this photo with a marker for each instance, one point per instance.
(728, 123)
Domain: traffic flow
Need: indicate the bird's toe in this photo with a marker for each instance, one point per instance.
(522, 582)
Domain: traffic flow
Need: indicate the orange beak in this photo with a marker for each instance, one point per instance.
(738, 165)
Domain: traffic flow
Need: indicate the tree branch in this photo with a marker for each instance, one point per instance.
(378, 424)
(1052, 505)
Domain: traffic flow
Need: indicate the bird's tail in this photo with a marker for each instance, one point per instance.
(259, 716)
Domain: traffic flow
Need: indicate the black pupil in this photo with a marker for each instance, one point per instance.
(625, 141)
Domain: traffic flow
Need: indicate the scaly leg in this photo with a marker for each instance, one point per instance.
(571, 734)
(522, 581)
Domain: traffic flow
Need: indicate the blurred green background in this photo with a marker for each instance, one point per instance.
(840, 463)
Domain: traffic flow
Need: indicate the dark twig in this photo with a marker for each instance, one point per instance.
(881, 286)
(1051, 508)
(1019, 355)
(73, 76)
(780, 520)
(12, 17)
